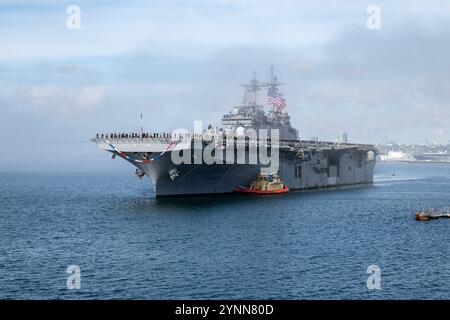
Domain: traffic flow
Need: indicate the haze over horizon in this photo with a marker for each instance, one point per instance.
(178, 61)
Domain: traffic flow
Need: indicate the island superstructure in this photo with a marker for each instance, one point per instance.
(301, 164)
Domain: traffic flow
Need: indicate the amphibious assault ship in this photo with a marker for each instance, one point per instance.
(251, 141)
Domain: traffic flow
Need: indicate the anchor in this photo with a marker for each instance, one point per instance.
(139, 173)
(173, 174)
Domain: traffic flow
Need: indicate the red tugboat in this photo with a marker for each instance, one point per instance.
(265, 183)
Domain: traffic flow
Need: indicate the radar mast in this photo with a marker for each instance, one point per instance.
(252, 88)
(251, 91)
(273, 79)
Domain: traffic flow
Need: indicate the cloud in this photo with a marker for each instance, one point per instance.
(63, 100)
(394, 82)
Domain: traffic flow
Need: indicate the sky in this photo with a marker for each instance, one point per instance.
(178, 61)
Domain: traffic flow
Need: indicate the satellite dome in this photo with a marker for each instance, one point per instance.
(240, 132)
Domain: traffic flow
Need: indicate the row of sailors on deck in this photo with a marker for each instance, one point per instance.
(133, 135)
(158, 135)
(149, 135)
(291, 143)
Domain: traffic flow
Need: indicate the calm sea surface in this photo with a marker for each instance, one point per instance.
(314, 245)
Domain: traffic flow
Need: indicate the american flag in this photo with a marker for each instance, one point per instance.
(275, 99)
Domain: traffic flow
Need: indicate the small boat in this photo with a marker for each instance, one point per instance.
(423, 216)
(430, 214)
(264, 184)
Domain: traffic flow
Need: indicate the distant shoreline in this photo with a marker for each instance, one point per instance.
(414, 161)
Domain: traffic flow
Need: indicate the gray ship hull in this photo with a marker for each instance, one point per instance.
(323, 169)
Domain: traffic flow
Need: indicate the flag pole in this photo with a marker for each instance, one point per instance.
(141, 126)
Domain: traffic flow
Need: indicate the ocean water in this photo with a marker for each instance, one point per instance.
(313, 245)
